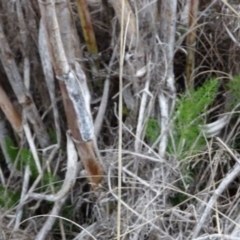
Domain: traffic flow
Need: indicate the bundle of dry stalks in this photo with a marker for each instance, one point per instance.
(79, 80)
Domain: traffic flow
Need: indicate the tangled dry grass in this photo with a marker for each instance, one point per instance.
(147, 46)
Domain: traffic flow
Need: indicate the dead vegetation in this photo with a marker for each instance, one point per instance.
(92, 145)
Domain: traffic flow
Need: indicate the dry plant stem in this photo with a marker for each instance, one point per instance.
(150, 150)
(2, 178)
(128, 19)
(40, 176)
(49, 19)
(191, 42)
(214, 128)
(10, 112)
(87, 27)
(235, 233)
(76, 120)
(23, 194)
(231, 35)
(223, 185)
(63, 234)
(164, 112)
(167, 35)
(76, 94)
(70, 177)
(139, 155)
(73, 223)
(128, 207)
(140, 180)
(64, 73)
(46, 228)
(20, 90)
(85, 149)
(102, 109)
(142, 115)
(25, 50)
(228, 149)
(230, 7)
(32, 146)
(86, 232)
(120, 123)
(106, 9)
(26, 78)
(217, 236)
(49, 76)
(3, 135)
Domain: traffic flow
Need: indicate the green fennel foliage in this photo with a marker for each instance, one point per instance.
(234, 89)
(152, 130)
(187, 120)
(26, 158)
(8, 198)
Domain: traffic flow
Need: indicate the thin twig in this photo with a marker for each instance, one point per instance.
(102, 109)
(233, 173)
(70, 176)
(23, 194)
(120, 105)
(46, 228)
(32, 146)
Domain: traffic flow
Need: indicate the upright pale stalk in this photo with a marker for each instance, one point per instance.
(168, 15)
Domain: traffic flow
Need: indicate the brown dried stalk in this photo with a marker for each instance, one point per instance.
(191, 42)
(89, 35)
(10, 112)
(59, 26)
(87, 27)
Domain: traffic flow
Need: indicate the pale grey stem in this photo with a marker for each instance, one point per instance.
(2, 178)
(224, 184)
(26, 74)
(62, 68)
(140, 180)
(76, 94)
(23, 194)
(163, 103)
(102, 109)
(214, 128)
(86, 232)
(142, 115)
(128, 207)
(46, 228)
(70, 176)
(167, 37)
(217, 236)
(32, 146)
(49, 76)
